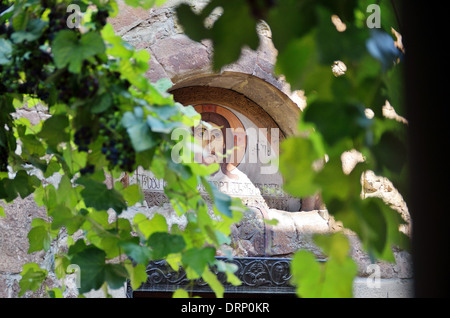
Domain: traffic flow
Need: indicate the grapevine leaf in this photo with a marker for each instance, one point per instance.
(198, 258)
(332, 278)
(33, 31)
(98, 196)
(163, 244)
(5, 51)
(390, 153)
(337, 121)
(214, 283)
(68, 50)
(63, 217)
(138, 274)
(180, 293)
(91, 261)
(296, 166)
(290, 19)
(132, 194)
(306, 274)
(221, 201)
(32, 278)
(228, 36)
(115, 275)
(39, 239)
(54, 130)
(140, 134)
(101, 103)
(147, 227)
(140, 254)
(23, 185)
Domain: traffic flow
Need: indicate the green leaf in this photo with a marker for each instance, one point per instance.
(63, 217)
(163, 244)
(158, 126)
(140, 134)
(198, 258)
(180, 293)
(140, 254)
(92, 265)
(66, 194)
(39, 239)
(221, 201)
(376, 225)
(2, 212)
(349, 45)
(230, 37)
(70, 51)
(192, 23)
(230, 33)
(296, 160)
(339, 279)
(32, 278)
(332, 278)
(55, 130)
(33, 31)
(5, 51)
(116, 46)
(145, 4)
(214, 283)
(335, 184)
(390, 153)
(132, 194)
(73, 160)
(147, 227)
(336, 246)
(291, 19)
(98, 196)
(115, 275)
(163, 85)
(306, 274)
(55, 293)
(337, 121)
(101, 103)
(137, 274)
(23, 185)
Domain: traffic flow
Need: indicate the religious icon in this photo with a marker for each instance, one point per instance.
(222, 137)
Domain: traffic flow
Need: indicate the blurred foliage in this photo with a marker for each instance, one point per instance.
(309, 44)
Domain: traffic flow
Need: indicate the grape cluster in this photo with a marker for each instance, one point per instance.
(117, 145)
(100, 18)
(89, 169)
(57, 20)
(83, 138)
(3, 159)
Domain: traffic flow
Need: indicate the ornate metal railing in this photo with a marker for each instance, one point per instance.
(259, 275)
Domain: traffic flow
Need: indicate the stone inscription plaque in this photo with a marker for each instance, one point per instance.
(249, 192)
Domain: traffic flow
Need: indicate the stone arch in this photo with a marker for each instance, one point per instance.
(256, 98)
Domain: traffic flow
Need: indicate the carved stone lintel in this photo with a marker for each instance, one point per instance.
(258, 275)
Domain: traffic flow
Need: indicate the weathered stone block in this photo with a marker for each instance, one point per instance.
(14, 229)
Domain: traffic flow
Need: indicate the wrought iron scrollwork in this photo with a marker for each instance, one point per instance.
(256, 274)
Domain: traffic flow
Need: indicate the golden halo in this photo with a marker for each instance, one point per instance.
(240, 137)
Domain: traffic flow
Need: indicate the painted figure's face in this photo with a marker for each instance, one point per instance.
(212, 141)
